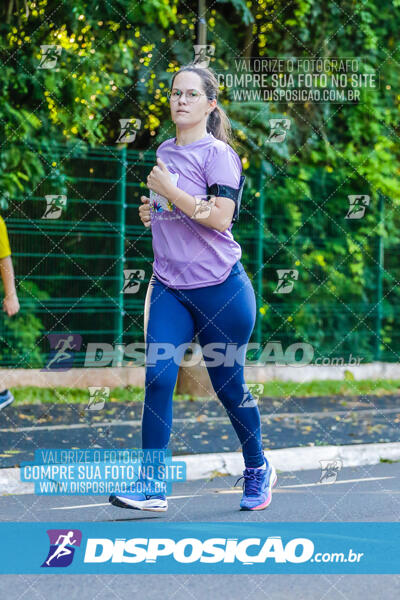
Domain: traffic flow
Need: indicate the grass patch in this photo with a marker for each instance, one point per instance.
(65, 395)
(349, 387)
(275, 389)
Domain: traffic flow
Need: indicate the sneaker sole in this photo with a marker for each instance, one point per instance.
(6, 403)
(152, 505)
(269, 498)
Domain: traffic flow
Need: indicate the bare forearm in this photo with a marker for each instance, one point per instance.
(191, 207)
(7, 275)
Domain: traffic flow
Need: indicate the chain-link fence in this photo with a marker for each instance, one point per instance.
(83, 260)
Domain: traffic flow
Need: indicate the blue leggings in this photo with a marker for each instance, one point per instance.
(220, 313)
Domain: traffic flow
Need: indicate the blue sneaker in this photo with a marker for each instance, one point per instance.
(258, 483)
(6, 398)
(140, 500)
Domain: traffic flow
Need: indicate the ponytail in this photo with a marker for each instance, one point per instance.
(219, 125)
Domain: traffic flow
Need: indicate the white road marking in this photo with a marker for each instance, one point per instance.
(238, 491)
(108, 504)
(296, 485)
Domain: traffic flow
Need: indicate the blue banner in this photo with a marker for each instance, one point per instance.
(72, 472)
(137, 547)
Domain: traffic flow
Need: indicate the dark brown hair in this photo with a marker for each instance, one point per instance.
(218, 122)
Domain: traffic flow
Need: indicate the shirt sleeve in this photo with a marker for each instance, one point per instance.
(5, 249)
(223, 166)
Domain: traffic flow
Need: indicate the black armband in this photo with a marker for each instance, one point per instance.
(225, 191)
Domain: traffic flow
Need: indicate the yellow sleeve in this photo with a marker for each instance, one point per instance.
(5, 249)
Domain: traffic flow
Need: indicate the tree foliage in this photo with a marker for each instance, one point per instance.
(117, 61)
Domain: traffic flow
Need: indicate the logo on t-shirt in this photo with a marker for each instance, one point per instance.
(159, 203)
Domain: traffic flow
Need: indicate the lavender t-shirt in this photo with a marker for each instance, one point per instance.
(188, 254)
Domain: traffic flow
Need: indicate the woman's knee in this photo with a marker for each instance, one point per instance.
(160, 379)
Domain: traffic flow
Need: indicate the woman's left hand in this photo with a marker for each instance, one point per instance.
(159, 180)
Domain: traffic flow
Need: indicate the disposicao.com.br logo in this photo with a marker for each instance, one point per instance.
(211, 550)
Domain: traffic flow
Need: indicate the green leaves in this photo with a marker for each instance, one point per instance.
(241, 7)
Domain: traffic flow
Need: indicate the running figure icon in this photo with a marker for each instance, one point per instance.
(62, 550)
(62, 354)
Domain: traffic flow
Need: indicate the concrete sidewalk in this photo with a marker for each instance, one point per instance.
(214, 465)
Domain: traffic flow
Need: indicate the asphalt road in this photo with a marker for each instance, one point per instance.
(200, 426)
(367, 493)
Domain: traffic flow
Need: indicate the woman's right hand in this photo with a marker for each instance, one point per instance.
(144, 211)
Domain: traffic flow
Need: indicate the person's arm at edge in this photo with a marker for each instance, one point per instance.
(10, 302)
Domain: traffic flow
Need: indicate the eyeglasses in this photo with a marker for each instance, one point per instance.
(192, 96)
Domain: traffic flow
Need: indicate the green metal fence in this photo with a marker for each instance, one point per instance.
(345, 298)
(70, 269)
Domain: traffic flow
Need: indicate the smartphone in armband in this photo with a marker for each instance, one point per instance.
(225, 191)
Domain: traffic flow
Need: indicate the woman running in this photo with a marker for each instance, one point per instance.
(199, 286)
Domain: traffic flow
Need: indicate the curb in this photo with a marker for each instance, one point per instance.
(204, 466)
(194, 379)
(300, 458)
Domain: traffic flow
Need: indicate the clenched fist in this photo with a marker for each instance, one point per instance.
(144, 211)
(11, 304)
